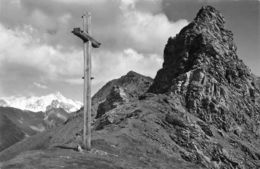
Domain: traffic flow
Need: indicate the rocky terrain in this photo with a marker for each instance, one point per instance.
(118, 91)
(201, 111)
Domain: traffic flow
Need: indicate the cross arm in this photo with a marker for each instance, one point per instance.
(86, 37)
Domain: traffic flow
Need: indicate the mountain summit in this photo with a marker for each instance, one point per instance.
(203, 47)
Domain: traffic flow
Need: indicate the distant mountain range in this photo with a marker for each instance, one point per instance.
(22, 117)
(42, 103)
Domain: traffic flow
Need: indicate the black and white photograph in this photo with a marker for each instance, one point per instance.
(129, 84)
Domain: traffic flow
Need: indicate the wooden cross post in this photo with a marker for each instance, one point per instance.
(88, 41)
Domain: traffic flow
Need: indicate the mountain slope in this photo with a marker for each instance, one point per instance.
(17, 124)
(25, 120)
(9, 132)
(200, 112)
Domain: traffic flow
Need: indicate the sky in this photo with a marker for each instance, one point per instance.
(39, 54)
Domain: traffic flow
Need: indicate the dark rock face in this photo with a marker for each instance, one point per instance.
(201, 65)
(204, 46)
(258, 82)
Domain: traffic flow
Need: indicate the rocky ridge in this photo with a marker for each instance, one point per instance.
(201, 66)
(119, 91)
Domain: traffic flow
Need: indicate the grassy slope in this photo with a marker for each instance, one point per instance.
(9, 132)
(16, 125)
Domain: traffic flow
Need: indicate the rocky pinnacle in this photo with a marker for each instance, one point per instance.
(204, 44)
(201, 67)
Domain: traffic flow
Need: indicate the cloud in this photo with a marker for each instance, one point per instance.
(148, 32)
(136, 27)
(18, 46)
(23, 60)
(36, 43)
(109, 65)
(41, 62)
(41, 86)
(37, 47)
(143, 19)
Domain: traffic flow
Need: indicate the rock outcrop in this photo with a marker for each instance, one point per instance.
(203, 48)
(201, 65)
(55, 117)
(116, 97)
(127, 88)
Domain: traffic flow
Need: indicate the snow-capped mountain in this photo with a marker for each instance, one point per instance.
(42, 103)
